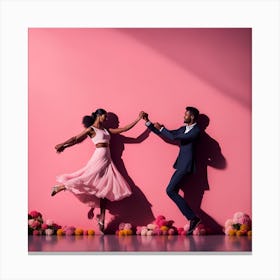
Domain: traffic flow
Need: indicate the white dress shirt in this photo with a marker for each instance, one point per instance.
(189, 127)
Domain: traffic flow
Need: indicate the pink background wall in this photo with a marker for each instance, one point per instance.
(74, 71)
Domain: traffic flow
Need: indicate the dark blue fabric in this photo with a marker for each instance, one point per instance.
(172, 191)
(184, 164)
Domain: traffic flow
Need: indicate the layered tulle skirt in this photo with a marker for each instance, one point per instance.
(99, 178)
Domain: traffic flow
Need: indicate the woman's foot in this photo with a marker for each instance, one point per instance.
(100, 223)
(90, 213)
(101, 226)
(57, 189)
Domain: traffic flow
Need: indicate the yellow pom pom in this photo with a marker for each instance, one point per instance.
(129, 232)
(91, 232)
(244, 227)
(232, 232)
(60, 232)
(79, 231)
(164, 228)
(122, 232)
(249, 233)
(241, 232)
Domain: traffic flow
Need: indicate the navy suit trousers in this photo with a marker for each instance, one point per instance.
(172, 191)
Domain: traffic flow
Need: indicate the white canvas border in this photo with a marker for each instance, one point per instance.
(18, 16)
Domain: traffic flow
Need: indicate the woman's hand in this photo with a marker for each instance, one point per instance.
(141, 115)
(145, 116)
(59, 148)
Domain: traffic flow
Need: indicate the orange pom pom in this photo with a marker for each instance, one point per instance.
(244, 227)
(128, 231)
(79, 231)
(232, 232)
(164, 228)
(241, 232)
(60, 232)
(91, 232)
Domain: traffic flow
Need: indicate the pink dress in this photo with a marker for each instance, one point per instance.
(99, 178)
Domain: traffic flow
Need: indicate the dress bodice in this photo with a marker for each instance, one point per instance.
(101, 135)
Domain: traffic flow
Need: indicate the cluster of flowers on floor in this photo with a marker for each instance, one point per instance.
(239, 225)
(37, 226)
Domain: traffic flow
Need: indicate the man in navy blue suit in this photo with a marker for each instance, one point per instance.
(187, 136)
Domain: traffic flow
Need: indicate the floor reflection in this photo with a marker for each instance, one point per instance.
(135, 243)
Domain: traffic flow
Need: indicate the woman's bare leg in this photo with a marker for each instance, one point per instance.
(101, 220)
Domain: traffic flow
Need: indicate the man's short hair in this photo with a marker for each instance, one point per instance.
(193, 111)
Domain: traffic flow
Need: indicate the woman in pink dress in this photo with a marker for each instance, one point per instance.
(99, 179)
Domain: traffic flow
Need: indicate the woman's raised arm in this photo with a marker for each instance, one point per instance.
(127, 127)
(73, 140)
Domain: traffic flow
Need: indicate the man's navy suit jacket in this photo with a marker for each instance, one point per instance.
(186, 158)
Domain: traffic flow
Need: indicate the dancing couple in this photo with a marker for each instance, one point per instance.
(99, 180)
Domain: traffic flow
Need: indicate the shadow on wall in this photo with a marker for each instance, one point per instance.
(219, 56)
(125, 210)
(208, 153)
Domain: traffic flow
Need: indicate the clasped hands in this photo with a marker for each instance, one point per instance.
(145, 117)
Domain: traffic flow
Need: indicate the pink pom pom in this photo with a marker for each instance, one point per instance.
(44, 226)
(237, 216)
(184, 232)
(138, 230)
(151, 226)
(199, 231)
(35, 214)
(30, 222)
(228, 223)
(196, 231)
(127, 226)
(242, 218)
(49, 231)
(121, 226)
(69, 230)
(35, 224)
(171, 231)
(144, 231)
(245, 219)
(180, 229)
(157, 231)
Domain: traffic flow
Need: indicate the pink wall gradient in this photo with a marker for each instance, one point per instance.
(74, 71)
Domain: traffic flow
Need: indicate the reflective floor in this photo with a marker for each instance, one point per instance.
(135, 243)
